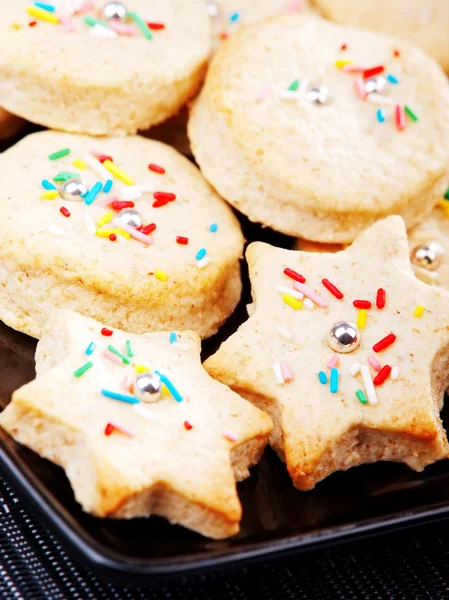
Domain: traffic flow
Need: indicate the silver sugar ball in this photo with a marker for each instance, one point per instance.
(212, 9)
(375, 84)
(114, 10)
(148, 387)
(130, 216)
(73, 190)
(344, 337)
(318, 95)
(427, 256)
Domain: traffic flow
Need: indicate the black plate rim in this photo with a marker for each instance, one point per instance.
(106, 562)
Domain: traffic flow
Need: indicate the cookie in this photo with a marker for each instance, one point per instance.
(170, 442)
(347, 352)
(281, 131)
(10, 125)
(423, 23)
(83, 72)
(60, 250)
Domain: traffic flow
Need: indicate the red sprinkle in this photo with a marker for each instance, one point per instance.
(396, 53)
(188, 426)
(294, 275)
(109, 429)
(163, 198)
(156, 26)
(156, 168)
(333, 290)
(380, 298)
(119, 204)
(107, 332)
(32, 24)
(367, 73)
(182, 240)
(64, 211)
(224, 35)
(344, 47)
(387, 341)
(399, 117)
(383, 374)
(148, 228)
(362, 303)
(112, 237)
(104, 157)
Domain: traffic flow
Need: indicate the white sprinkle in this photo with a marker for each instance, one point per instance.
(96, 167)
(143, 412)
(203, 262)
(308, 304)
(55, 231)
(286, 333)
(131, 193)
(180, 346)
(289, 95)
(103, 32)
(90, 225)
(6, 508)
(303, 87)
(379, 99)
(355, 369)
(283, 289)
(394, 373)
(369, 385)
(278, 373)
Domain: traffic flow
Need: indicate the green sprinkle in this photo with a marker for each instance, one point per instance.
(141, 24)
(92, 22)
(119, 354)
(361, 396)
(129, 350)
(83, 369)
(410, 113)
(65, 175)
(294, 85)
(446, 195)
(59, 154)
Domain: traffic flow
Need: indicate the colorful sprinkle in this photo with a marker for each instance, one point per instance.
(83, 369)
(419, 311)
(117, 172)
(294, 85)
(183, 241)
(148, 229)
(47, 7)
(340, 63)
(399, 113)
(278, 373)
(50, 195)
(361, 318)
(121, 204)
(93, 193)
(334, 381)
(116, 230)
(367, 73)
(384, 343)
(361, 396)
(106, 218)
(380, 114)
(44, 15)
(141, 368)
(322, 377)
(111, 427)
(332, 288)
(119, 354)
(173, 337)
(91, 348)
(410, 113)
(284, 332)
(95, 22)
(359, 88)
(304, 289)
(64, 211)
(113, 237)
(263, 94)
(229, 435)
(392, 79)
(47, 185)
(369, 386)
(108, 186)
(213, 228)
(161, 275)
(170, 387)
(286, 371)
(112, 357)
(59, 154)
(381, 298)
(201, 254)
(129, 350)
(294, 275)
(355, 369)
(234, 17)
(372, 360)
(79, 164)
(293, 302)
(334, 361)
(187, 426)
(156, 168)
(106, 332)
(120, 397)
(140, 24)
(382, 375)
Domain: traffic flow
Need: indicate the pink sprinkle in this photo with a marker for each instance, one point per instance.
(133, 232)
(122, 429)
(333, 361)
(109, 200)
(67, 23)
(374, 363)
(230, 436)
(122, 28)
(85, 7)
(112, 357)
(263, 94)
(353, 69)
(304, 289)
(286, 372)
(126, 382)
(360, 88)
(294, 6)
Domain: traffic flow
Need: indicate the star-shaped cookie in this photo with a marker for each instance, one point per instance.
(334, 410)
(178, 457)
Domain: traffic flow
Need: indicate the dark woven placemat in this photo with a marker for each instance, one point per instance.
(412, 565)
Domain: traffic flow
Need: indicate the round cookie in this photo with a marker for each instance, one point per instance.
(423, 23)
(80, 75)
(182, 271)
(323, 172)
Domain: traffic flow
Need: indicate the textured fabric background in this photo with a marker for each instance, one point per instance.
(412, 565)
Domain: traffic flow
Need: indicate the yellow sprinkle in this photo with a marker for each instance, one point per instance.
(141, 368)
(419, 310)
(105, 218)
(361, 319)
(79, 164)
(116, 230)
(40, 13)
(444, 204)
(16, 26)
(293, 302)
(342, 62)
(161, 275)
(50, 194)
(112, 168)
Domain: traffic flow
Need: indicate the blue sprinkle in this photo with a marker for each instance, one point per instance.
(121, 397)
(91, 348)
(171, 388)
(173, 337)
(234, 17)
(214, 227)
(93, 193)
(201, 254)
(380, 115)
(108, 186)
(322, 377)
(47, 7)
(47, 185)
(392, 79)
(334, 380)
